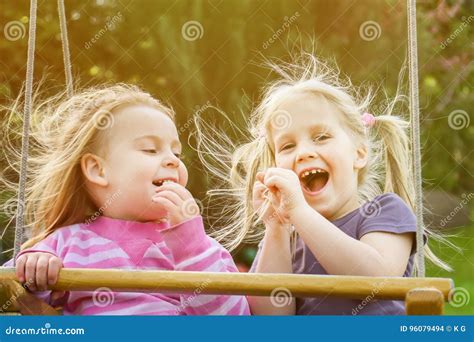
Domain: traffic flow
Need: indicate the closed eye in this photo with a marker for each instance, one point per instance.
(287, 147)
(149, 151)
(322, 137)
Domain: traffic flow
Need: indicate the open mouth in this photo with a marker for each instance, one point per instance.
(314, 180)
(160, 182)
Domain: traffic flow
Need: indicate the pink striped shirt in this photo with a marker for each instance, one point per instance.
(119, 244)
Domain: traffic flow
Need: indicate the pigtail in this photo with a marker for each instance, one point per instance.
(395, 148)
(391, 132)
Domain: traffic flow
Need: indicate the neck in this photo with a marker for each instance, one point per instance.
(348, 206)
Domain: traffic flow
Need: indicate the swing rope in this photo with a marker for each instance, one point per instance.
(66, 52)
(414, 112)
(415, 133)
(19, 224)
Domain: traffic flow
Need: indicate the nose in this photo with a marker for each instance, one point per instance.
(306, 151)
(170, 160)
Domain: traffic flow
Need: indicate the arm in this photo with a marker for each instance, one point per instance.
(274, 257)
(275, 253)
(375, 254)
(193, 250)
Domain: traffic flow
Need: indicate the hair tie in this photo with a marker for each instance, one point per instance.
(262, 133)
(368, 120)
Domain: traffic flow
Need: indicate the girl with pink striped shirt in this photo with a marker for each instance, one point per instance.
(107, 190)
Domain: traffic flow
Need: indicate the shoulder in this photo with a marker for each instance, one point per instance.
(66, 233)
(70, 235)
(387, 212)
(53, 243)
(388, 204)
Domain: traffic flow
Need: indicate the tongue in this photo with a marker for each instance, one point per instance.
(317, 182)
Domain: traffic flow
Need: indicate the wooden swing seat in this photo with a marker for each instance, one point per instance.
(422, 296)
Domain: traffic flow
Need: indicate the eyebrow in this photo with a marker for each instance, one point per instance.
(158, 139)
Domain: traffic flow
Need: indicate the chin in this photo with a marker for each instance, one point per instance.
(322, 208)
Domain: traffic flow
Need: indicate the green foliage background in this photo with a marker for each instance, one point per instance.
(142, 42)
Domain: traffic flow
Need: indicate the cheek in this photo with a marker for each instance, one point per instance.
(182, 174)
(283, 161)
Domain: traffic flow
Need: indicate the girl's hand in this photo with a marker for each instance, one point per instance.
(260, 194)
(177, 201)
(37, 270)
(285, 187)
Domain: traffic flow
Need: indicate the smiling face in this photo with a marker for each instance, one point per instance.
(142, 151)
(315, 145)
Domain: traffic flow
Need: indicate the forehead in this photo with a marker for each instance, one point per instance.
(303, 110)
(139, 120)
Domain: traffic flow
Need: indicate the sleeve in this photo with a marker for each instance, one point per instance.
(193, 250)
(387, 213)
(48, 245)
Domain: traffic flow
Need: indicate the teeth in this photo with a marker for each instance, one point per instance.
(312, 172)
(161, 182)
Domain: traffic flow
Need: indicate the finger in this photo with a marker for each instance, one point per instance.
(274, 200)
(54, 266)
(164, 202)
(30, 272)
(42, 272)
(261, 176)
(278, 171)
(261, 193)
(171, 196)
(274, 182)
(258, 187)
(20, 268)
(266, 193)
(180, 190)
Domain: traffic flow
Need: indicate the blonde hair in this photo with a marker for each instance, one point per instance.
(62, 130)
(389, 167)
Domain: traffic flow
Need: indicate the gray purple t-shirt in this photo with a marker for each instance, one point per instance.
(385, 213)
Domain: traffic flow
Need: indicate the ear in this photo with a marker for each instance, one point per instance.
(361, 158)
(92, 168)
